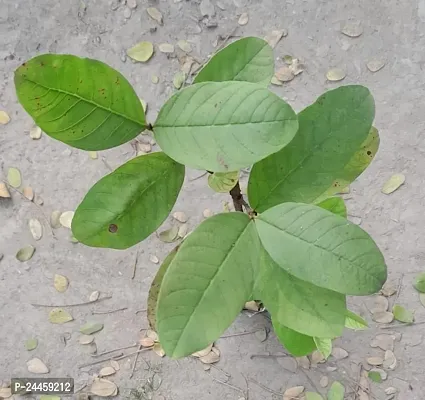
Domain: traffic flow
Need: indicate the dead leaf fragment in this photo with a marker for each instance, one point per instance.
(66, 219)
(207, 8)
(393, 183)
(179, 79)
(31, 344)
(35, 228)
(284, 74)
(28, 193)
(275, 81)
(180, 216)
(296, 67)
(274, 37)
(86, 339)
(55, 219)
(380, 304)
(36, 366)
(157, 348)
(93, 155)
(303, 362)
(146, 342)
(384, 342)
(5, 392)
(14, 177)
(152, 334)
(103, 388)
(390, 390)
(375, 360)
(339, 353)
(107, 371)
(115, 365)
(293, 392)
(155, 14)
(166, 48)
(185, 46)
(4, 118)
(383, 317)
(335, 75)
(154, 79)
(212, 357)
(60, 283)
(91, 327)
(243, 19)
(251, 305)
(352, 29)
(94, 295)
(143, 148)
(207, 213)
(317, 357)
(59, 316)
(154, 259)
(390, 361)
(141, 52)
(324, 381)
(375, 65)
(25, 253)
(4, 191)
(203, 352)
(388, 289)
(183, 230)
(35, 133)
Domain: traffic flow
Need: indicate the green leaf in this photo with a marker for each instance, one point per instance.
(322, 248)
(296, 343)
(297, 304)
(331, 132)
(155, 286)
(336, 391)
(419, 283)
(207, 283)
(79, 101)
(249, 59)
(324, 345)
(91, 327)
(59, 316)
(335, 205)
(224, 126)
(354, 321)
(375, 376)
(403, 315)
(31, 344)
(223, 182)
(313, 396)
(169, 235)
(129, 204)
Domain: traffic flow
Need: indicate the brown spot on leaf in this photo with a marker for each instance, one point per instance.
(113, 228)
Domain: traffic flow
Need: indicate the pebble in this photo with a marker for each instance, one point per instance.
(127, 13)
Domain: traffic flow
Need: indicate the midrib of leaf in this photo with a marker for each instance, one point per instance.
(326, 250)
(210, 283)
(247, 63)
(87, 101)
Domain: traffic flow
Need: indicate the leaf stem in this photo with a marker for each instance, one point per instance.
(239, 202)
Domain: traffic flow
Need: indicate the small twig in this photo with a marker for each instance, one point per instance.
(109, 311)
(135, 362)
(229, 385)
(131, 354)
(135, 265)
(142, 310)
(265, 387)
(198, 177)
(226, 374)
(240, 334)
(36, 205)
(72, 305)
(252, 356)
(106, 164)
(309, 379)
(400, 285)
(402, 325)
(226, 39)
(111, 351)
(80, 389)
(101, 361)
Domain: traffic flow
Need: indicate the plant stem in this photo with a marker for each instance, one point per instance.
(237, 197)
(71, 305)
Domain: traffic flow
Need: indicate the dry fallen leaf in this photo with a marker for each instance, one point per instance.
(59, 316)
(4, 118)
(38, 200)
(339, 353)
(143, 148)
(115, 365)
(28, 193)
(36, 366)
(273, 37)
(284, 74)
(352, 29)
(94, 295)
(390, 361)
(375, 360)
(380, 304)
(14, 177)
(25, 253)
(203, 352)
(180, 216)
(166, 48)
(66, 219)
(106, 371)
(157, 348)
(212, 357)
(185, 46)
(147, 342)
(35, 228)
(183, 230)
(142, 51)
(243, 19)
(5, 392)
(93, 155)
(252, 306)
(393, 183)
(4, 191)
(154, 79)
(91, 327)
(261, 334)
(152, 334)
(35, 133)
(388, 289)
(293, 392)
(303, 362)
(324, 381)
(55, 219)
(317, 357)
(390, 390)
(103, 388)
(207, 213)
(155, 14)
(335, 75)
(375, 65)
(60, 283)
(154, 259)
(86, 339)
(179, 79)
(383, 341)
(296, 67)
(31, 344)
(383, 317)
(275, 81)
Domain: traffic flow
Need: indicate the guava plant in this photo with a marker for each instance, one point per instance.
(289, 245)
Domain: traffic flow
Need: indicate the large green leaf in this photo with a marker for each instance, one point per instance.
(207, 283)
(129, 204)
(322, 248)
(335, 205)
(298, 304)
(156, 285)
(79, 101)
(249, 59)
(224, 126)
(296, 343)
(331, 132)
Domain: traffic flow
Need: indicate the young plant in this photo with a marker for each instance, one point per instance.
(293, 249)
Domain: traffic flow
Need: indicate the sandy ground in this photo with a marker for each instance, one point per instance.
(393, 31)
